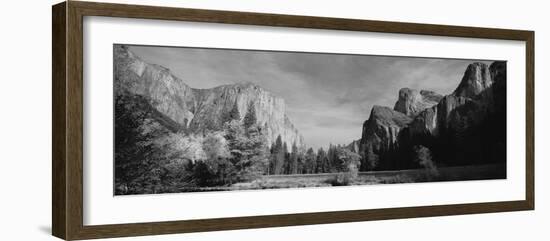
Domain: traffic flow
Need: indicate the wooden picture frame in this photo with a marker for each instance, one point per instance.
(67, 124)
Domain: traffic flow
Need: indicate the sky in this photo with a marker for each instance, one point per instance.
(328, 96)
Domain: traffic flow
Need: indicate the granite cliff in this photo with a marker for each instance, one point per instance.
(411, 102)
(465, 127)
(183, 108)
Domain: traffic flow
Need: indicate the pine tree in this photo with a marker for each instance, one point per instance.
(331, 159)
(371, 160)
(250, 117)
(257, 148)
(310, 159)
(286, 159)
(279, 156)
(321, 161)
(249, 151)
(294, 159)
(272, 159)
(233, 114)
(265, 129)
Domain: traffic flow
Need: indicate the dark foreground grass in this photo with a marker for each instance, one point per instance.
(462, 173)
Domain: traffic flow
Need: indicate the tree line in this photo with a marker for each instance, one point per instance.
(150, 158)
(300, 161)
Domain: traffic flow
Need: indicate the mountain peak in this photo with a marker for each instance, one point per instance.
(411, 101)
(477, 78)
(386, 116)
(239, 86)
(195, 110)
(246, 84)
(427, 118)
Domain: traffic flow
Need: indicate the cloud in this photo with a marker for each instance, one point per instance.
(328, 96)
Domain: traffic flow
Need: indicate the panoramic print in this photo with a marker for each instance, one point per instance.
(200, 119)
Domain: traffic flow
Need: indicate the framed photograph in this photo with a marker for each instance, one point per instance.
(171, 120)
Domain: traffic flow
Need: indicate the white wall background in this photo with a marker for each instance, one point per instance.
(25, 120)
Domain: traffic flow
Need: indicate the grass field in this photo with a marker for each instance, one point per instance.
(461, 173)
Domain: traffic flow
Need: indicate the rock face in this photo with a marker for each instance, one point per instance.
(194, 110)
(411, 102)
(380, 135)
(382, 128)
(477, 78)
(212, 104)
(354, 146)
(468, 105)
(167, 93)
(467, 126)
(449, 113)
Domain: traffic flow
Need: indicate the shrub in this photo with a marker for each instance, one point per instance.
(348, 164)
(203, 175)
(343, 179)
(424, 159)
(370, 159)
(397, 179)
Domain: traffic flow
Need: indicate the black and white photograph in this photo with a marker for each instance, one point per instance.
(190, 119)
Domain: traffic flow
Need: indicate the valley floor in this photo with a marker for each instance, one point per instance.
(458, 173)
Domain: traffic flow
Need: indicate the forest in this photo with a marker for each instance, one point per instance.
(153, 159)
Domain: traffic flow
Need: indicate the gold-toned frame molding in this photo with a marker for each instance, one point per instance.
(67, 123)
